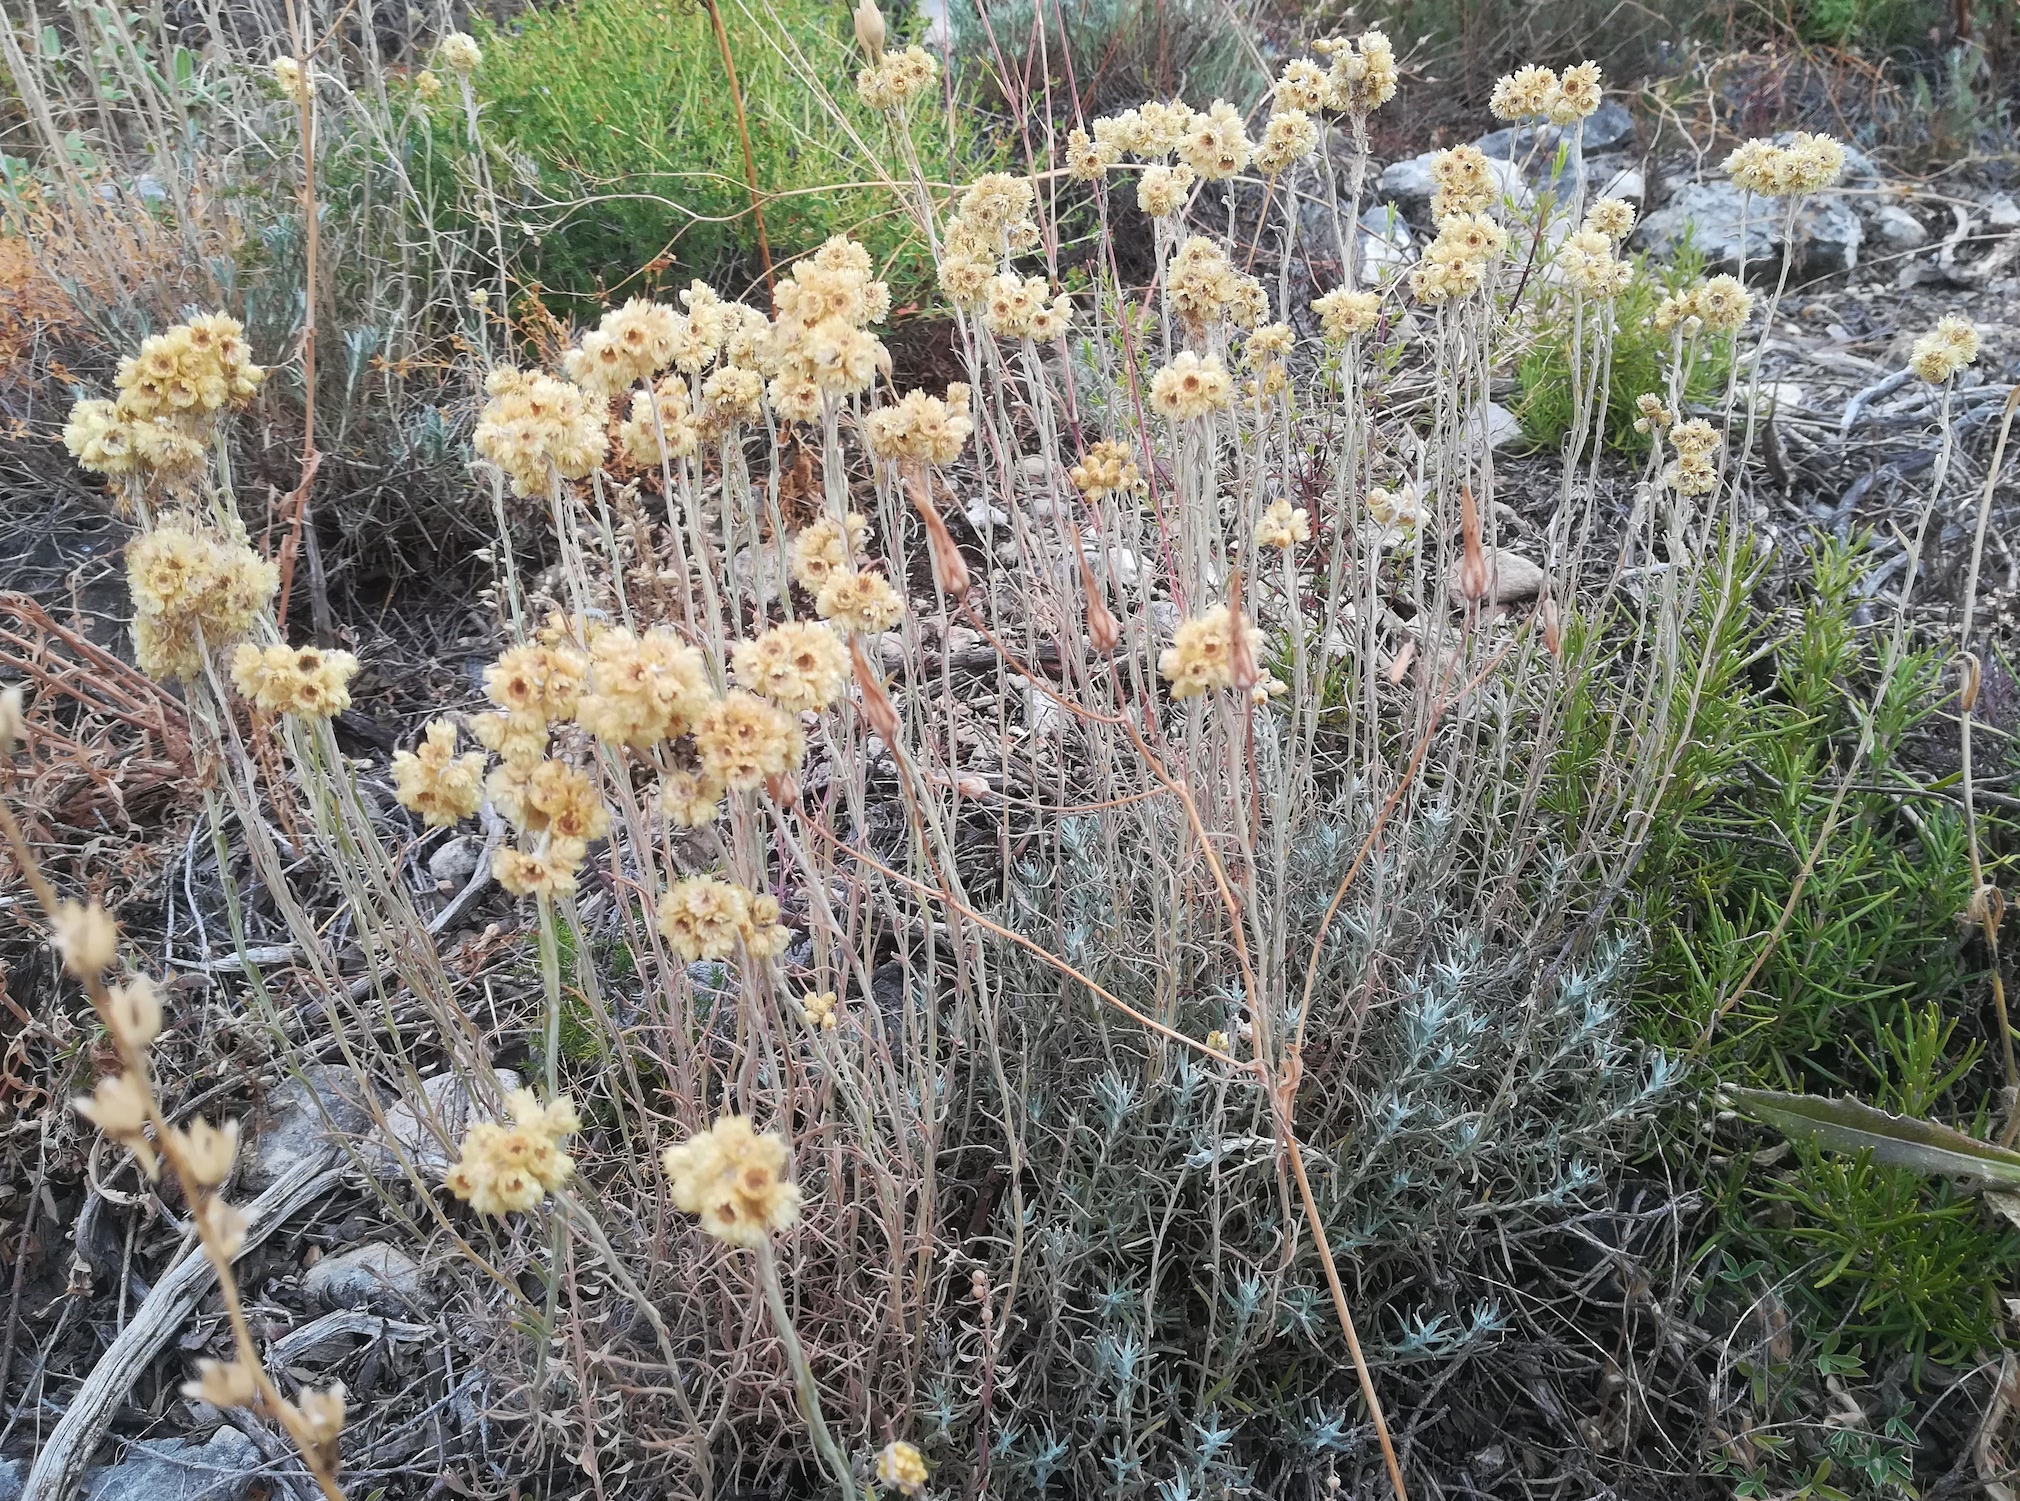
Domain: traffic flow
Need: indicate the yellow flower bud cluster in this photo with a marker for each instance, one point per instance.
(1694, 472)
(1652, 417)
(705, 917)
(902, 1467)
(1202, 654)
(735, 1180)
(194, 590)
(1362, 77)
(1191, 386)
(534, 423)
(1807, 164)
(1283, 526)
(1345, 315)
(818, 1011)
(1945, 349)
(435, 782)
(304, 681)
(897, 78)
(170, 396)
(743, 740)
(860, 603)
(1462, 183)
(1205, 288)
(922, 427)
(1107, 469)
(507, 1168)
(820, 346)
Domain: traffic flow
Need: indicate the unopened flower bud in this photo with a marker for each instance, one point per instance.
(13, 723)
(870, 29)
(877, 708)
(87, 938)
(134, 1011)
(1553, 631)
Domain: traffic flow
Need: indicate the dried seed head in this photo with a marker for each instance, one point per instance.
(87, 938)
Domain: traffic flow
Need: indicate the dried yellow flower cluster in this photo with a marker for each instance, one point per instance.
(819, 1009)
(1397, 513)
(744, 741)
(704, 917)
(1107, 469)
(506, 1168)
(1205, 288)
(460, 53)
(170, 396)
(1462, 183)
(1289, 136)
(1214, 144)
(1455, 264)
(435, 782)
(1694, 472)
(643, 689)
(1201, 656)
(194, 591)
(1945, 349)
(897, 78)
(800, 665)
(304, 681)
(820, 348)
(1283, 526)
(661, 426)
(1807, 164)
(1532, 91)
(735, 1180)
(902, 1467)
(1345, 315)
(1161, 191)
(922, 427)
(1652, 416)
(631, 345)
(1191, 386)
(1720, 304)
(1015, 307)
(535, 425)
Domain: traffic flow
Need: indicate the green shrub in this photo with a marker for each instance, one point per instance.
(1640, 360)
(1870, 991)
(615, 122)
(1118, 53)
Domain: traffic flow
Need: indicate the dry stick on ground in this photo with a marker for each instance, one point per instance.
(1988, 906)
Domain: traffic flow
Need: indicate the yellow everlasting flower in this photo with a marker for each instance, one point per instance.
(734, 1179)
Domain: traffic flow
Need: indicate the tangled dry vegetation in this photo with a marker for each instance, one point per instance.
(1073, 932)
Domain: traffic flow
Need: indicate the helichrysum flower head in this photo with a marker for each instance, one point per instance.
(660, 426)
(1588, 265)
(193, 591)
(692, 799)
(1202, 654)
(902, 1467)
(1612, 217)
(460, 53)
(643, 689)
(1107, 468)
(1695, 471)
(1944, 350)
(920, 426)
(189, 373)
(1577, 95)
(1301, 86)
(861, 603)
(548, 873)
(1807, 164)
(743, 740)
(631, 345)
(1283, 526)
(1722, 303)
(1651, 415)
(1462, 182)
(800, 665)
(504, 1168)
(86, 937)
(734, 1179)
(1345, 315)
(1214, 144)
(1363, 73)
(1525, 93)
(536, 682)
(1205, 288)
(826, 547)
(1161, 191)
(897, 78)
(304, 681)
(703, 917)
(1191, 386)
(535, 424)
(818, 1011)
(435, 782)
(1289, 137)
